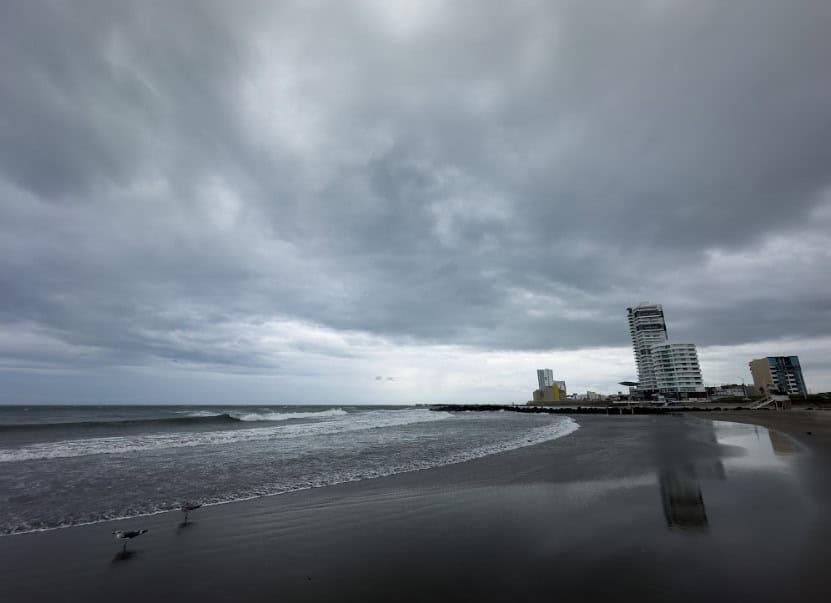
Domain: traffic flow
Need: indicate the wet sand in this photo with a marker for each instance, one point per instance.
(649, 508)
(797, 423)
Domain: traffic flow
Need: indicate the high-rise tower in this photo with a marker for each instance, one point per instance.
(647, 328)
(545, 377)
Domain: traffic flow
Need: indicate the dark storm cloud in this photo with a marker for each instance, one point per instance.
(506, 177)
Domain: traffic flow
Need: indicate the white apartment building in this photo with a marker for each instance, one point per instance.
(676, 369)
(647, 328)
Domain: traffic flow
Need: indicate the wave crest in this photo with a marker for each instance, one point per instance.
(285, 416)
(195, 418)
(156, 441)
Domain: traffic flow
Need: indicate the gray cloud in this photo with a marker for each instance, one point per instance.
(500, 177)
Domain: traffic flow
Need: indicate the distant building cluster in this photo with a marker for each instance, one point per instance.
(670, 371)
(550, 390)
(664, 369)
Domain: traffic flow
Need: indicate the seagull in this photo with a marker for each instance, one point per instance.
(188, 507)
(128, 535)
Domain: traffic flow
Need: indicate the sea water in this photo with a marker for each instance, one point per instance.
(64, 466)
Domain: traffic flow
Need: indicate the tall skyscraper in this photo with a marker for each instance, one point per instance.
(778, 375)
(670, 369)
(647, 328)
(545, 377)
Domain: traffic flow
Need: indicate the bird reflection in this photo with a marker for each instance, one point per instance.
(123, 556)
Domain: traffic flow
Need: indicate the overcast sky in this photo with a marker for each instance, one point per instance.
(406, 201)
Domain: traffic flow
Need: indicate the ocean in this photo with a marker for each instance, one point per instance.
(62, 466)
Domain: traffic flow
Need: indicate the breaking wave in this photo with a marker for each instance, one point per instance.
(195, 417)
(157, 441)
(285, 416)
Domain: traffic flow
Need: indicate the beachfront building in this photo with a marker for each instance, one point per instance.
(553, 393)
(732, 390)
(548, 395)
(549, 390)
(669, 369)
(545, 378)
(676, 370)
(780, 375)
(647, 328)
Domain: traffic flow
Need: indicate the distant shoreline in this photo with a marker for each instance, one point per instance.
(596, 408)
(624, 409)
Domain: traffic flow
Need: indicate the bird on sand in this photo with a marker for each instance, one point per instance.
(127, 536)
(188, 507)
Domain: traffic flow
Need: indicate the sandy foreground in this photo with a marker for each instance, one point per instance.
(651, 508)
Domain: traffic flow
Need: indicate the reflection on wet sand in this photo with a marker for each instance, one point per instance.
(782, 444)
(681, 496)
(683, 502)
(123, 556)
(680, 483)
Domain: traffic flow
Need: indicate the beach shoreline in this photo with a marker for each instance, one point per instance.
(517, 524)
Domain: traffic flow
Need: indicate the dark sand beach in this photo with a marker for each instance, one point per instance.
(636, 508)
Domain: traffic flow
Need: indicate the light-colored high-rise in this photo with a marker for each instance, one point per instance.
(647, 328)
(676, 369)
(545, 377)
(670, 369)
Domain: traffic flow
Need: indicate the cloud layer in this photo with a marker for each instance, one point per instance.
(287, 188)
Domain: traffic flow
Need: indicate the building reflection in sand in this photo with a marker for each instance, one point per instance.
(683, 502)
(782, 445)
(680, 484)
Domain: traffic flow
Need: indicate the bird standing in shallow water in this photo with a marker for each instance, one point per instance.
(188, 507)
(127, 536)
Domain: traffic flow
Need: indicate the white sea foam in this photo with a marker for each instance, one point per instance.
(538, 435)
(562, 427)
(285, 416)
(200, 414)
(136, 443)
